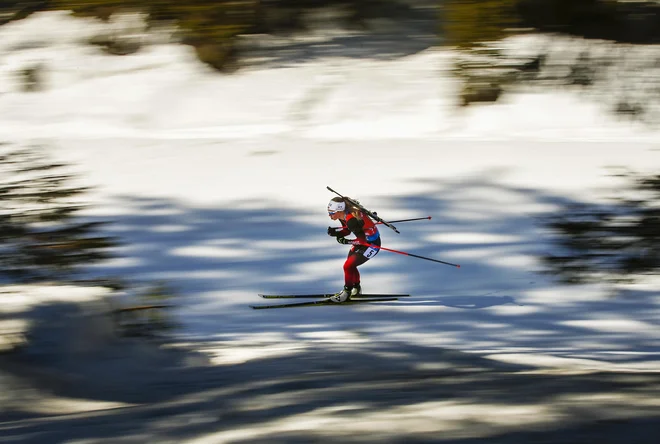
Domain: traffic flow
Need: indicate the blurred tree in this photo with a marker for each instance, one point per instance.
(40, 238)
(209, 26)
(467, 22)
(102, 9)
(618, 243)
(19, 9)
(213, 27)
(622, 21)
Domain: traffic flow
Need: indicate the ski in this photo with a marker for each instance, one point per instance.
(321, 302)
(371, 214)
(321, 295)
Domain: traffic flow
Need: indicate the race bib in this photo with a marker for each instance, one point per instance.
(370, 252)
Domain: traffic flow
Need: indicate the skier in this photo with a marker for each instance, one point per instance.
(363, 247)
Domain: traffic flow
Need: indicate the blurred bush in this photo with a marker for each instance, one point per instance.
(19, 9)
(636, 21)
(102, 9)
(213, 27)
(210, 27)
(584, 45)
(465, 23)
(32, 77)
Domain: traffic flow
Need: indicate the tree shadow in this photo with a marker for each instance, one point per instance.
(263, 375)
(271, 399)
(219, 259)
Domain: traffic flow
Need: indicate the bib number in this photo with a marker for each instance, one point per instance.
(370, 252)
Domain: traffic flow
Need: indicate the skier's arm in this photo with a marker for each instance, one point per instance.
(355, 226)
(342, 231)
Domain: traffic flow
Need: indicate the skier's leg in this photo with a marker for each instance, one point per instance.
(362, 255)
(351, 273)
(355, 258)
(351, 276)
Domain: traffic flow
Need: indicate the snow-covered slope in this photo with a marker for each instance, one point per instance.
(217, 184)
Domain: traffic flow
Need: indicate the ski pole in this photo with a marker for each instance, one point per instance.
(406, 220)
(413, 255)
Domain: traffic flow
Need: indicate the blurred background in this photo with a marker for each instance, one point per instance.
(606, 55)
(151, 153)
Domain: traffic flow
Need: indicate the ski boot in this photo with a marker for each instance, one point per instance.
(343, 295)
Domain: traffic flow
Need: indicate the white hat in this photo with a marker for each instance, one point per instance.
(335, 206)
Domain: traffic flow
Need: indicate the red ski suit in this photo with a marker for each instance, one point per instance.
(364, 247)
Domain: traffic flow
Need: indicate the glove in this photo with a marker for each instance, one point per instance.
(332, 231)
(344, 241)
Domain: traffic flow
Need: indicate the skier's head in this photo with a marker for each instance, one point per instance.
(340, 207)
(336, 208)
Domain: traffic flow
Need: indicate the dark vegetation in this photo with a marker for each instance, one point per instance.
(213, 28)
(467, 22)
(487, 72)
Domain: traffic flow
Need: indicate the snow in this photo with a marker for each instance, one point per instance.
(217, 184)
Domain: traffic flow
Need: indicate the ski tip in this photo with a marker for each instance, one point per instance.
(429, 217)
(458, 266)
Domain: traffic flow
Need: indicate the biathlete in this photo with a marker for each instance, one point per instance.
(365, 245)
